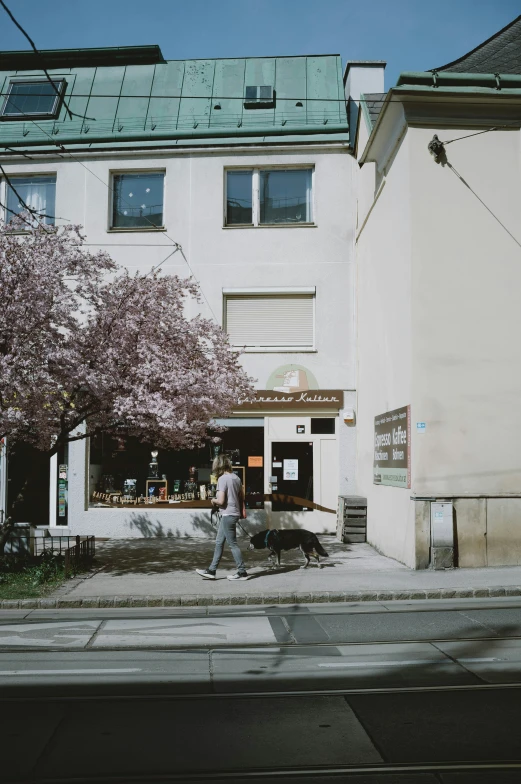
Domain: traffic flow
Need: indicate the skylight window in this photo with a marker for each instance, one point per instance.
(34, 98)
(259, 95)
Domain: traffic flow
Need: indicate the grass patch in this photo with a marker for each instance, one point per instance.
(25, 578)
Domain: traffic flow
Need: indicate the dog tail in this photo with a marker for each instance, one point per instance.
(318, 548)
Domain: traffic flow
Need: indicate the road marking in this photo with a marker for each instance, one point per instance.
(401, 663)
(69, 672)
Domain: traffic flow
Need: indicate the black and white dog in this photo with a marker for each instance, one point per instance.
(289, 539)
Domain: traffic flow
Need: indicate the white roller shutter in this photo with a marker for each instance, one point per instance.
(271, 321)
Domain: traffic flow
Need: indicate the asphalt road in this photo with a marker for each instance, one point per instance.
(419, 694)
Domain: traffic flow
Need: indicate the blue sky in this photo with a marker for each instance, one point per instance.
(411, 35)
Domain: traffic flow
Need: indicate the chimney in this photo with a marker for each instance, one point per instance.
(361, 76)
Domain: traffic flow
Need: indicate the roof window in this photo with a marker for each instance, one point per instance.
(259, 96)
(33, 98)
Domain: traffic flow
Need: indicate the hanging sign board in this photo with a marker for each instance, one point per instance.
(392, 448)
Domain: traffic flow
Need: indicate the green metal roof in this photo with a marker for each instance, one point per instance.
(177, 101)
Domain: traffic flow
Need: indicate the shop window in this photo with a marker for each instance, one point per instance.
(284, 197)
(126, 472)
(271, 322)
(38, 193)
(138, 200)
(34, 98)
(322, 426)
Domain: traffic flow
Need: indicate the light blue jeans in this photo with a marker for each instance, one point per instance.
(227, 532)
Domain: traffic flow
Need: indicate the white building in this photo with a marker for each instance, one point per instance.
(247, 164)
(439, 275)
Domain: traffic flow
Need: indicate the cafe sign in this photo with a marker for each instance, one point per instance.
(307, 400)
(392, 448)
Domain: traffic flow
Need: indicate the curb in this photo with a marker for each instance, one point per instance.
(198, 600)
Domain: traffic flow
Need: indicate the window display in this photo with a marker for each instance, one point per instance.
(127, 473)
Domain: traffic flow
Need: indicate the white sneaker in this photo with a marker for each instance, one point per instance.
(238, 576)
(206, 573)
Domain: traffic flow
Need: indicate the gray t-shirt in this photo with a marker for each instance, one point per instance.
(231, 486)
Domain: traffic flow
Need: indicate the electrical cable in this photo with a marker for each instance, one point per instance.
(39, 54)
(177, 246)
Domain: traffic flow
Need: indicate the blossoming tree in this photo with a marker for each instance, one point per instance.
(87, 347)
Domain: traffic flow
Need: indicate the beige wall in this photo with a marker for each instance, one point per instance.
(439, 321)
(384, 348)
(466, 314)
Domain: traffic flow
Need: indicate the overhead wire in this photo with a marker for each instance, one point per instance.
(177, 245)
(40, 56)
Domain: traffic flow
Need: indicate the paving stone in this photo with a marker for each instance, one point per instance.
(91, 602)
(10, 604)
(303, 598)
(513, 590)
(496, 591)
(449, 593)
(348, 596)
(47, 604)
(286, 598)
(28, 604)
(337, 596)
(433, 594)
(137, 601)
(68, 603)
(154, 601)
(254, 600)
(480, 592)
(464, 593)
(238, 598)
(417, 595)
(222, 600)
(401, 595)
(321, 597)
(271, 598)
(384, 596)
(189, 601)
(122, 601)
(175, 601)
(106, 601)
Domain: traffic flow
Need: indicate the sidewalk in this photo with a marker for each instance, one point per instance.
(161, 572)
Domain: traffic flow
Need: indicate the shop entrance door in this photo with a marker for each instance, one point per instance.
(292, 464)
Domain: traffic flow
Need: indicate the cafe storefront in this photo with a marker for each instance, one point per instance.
(284, 446)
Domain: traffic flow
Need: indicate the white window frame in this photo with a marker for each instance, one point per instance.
(255, 205)
(116, 229)
(7, 216)
(273, 291)
(58, 83)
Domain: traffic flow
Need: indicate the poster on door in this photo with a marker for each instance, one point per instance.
(290, 470)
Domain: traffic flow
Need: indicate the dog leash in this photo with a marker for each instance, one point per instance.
(218, 517)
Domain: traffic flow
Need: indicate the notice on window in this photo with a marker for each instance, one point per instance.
(255, 461)
(290, 470)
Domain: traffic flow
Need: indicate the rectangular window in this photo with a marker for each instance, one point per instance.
(239, 198)
(138, 200)
(285, 196)
(34, 98)
(269, 197)
(38, 193)
(271, 321)
(322, 425)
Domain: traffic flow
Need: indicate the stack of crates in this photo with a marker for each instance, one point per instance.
(351, 526)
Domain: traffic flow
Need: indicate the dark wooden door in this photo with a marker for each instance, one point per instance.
(292, 464)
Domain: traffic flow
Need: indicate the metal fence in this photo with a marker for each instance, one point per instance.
(76, 550)
(80, 554)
